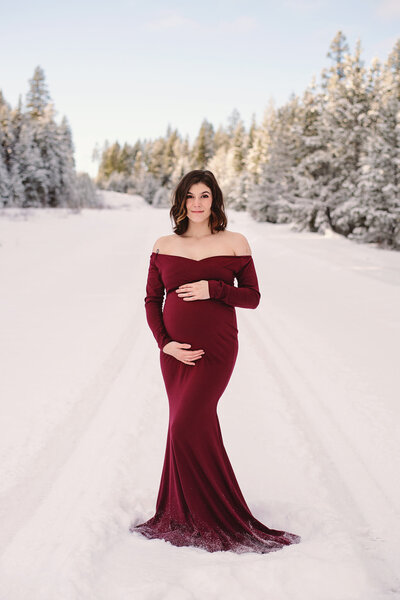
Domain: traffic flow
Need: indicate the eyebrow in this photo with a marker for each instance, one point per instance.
(205, 192)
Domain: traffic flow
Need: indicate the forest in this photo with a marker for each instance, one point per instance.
(326, 160)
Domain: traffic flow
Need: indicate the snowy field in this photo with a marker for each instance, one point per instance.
(310, 418)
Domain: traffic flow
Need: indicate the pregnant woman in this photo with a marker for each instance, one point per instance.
(199, 500)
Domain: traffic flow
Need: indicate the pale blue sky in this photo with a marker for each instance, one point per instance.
(125, 70)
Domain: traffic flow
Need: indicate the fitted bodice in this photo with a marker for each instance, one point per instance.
(182, 318)
(176, 270)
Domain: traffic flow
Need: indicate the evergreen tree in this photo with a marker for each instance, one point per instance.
(37, 166)
(171, 154)
(375, 209)
(14, 150)
(5, 183)
(236, 179)
(203, 147)
(239, 147)
(31, 169)
(182, 164)
(338, 50)
(155, 162)
(221, 139)
(312, 173)
(110, 160)
(38, 96)
(252, 131)
(5, 150)
(272, 198)
(67, 193)
(345, 128)
(259, 152)
(86, 195)
(233, 121)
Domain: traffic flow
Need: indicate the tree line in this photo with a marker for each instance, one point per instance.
(37, 166)
(328, 159)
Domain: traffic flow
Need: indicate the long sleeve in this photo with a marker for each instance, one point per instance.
(245, 295)
(153, 305)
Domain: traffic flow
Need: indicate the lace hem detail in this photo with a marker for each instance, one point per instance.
(182, 534)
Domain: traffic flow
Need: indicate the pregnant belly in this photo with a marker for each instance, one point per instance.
(207, 324)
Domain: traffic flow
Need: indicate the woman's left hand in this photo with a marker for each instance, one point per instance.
(198, 290)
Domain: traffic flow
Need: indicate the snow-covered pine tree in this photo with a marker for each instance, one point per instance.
(31, 168)
(46, 138)
(5, 183)
(236, 180)
(110, 160)
(311, 174)
(12, 190)
(154, 156)
(237, 195)
(149, 187)
(46, 151)
(5, 152)
(221, 139)
(272, 198)
(86, 192)
(259, 151)
(171, 155)
(14, 167)
(67, 194)
(127, 159)
(218, 163)
(203, 146)
(161, 198)
(38, 96)
(37, 166)
(239, 148)
(376, 206)
(344, 131)
(182, 162)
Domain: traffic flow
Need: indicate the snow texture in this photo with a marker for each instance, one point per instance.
(312, 404)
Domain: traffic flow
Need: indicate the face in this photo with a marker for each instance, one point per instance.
(198, 202)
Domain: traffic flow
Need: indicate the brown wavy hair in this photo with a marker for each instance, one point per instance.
(217, 220)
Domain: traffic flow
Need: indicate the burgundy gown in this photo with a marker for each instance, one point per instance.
(199, 500)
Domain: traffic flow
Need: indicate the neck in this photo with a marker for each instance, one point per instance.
(198, 230)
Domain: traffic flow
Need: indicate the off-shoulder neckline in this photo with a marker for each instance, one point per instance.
(206, 257)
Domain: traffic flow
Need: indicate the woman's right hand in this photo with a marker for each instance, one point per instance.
(179, 352)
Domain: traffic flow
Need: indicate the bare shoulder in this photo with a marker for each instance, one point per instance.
(162, 243)
(239, 243)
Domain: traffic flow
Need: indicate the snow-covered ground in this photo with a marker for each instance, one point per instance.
(310, 418)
